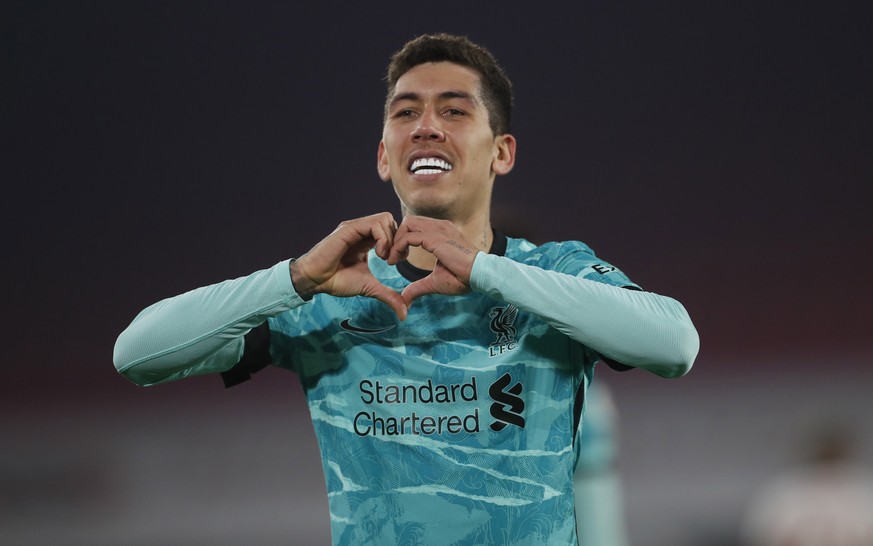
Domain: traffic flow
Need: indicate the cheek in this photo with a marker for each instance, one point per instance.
(484, 156)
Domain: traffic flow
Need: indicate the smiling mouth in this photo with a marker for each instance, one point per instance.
(430, 165)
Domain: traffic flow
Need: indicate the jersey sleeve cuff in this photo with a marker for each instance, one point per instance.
(483, 266)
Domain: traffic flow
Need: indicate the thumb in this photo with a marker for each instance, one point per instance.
(390, 298)
(417, 289)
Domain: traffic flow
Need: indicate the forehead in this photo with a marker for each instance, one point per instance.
(434, 79)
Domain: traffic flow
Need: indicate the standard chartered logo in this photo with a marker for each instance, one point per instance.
(435, 409)
(372, 423)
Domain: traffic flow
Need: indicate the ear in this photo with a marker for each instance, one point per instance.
(382, 163)
(504, 157)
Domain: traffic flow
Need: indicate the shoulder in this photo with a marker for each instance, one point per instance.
(554, 255)
(570, 257)
(522, 249)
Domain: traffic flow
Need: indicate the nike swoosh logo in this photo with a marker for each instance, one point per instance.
(347, 325)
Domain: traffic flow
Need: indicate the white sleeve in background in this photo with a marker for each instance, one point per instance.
(202, 331)
(632, 327)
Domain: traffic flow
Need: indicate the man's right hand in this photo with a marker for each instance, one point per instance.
(338, 264)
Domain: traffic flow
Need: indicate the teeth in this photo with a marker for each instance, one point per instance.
(430, 165)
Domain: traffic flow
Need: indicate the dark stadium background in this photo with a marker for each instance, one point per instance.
(718, 152)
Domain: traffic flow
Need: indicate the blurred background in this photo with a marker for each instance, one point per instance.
(717, 152)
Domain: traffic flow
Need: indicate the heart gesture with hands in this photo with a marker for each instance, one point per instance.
(443, 239)
(338, 264)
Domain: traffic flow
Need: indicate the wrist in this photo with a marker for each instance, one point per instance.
(302, 284)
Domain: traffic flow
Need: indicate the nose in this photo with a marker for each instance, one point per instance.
(428, 128)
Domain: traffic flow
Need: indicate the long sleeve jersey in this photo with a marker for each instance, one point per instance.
(455, 426)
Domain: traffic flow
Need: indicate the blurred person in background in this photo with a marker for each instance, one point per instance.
(600, 515)
(827, 500)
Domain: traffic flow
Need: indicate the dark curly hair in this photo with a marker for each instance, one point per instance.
(496, 88)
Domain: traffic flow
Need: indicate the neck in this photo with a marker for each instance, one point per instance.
(477, 231)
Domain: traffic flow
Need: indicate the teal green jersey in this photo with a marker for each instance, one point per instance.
(599, 500)
(455, 426)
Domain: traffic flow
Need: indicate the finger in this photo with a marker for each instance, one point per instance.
(362, 228)
(423, 223)
(417, 289)
(389, 226)
(400, 248)
(397, 254)
(383, 240)
(383, 231)
(406, 239)
(389, 297)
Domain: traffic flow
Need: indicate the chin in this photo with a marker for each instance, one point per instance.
(431, 208)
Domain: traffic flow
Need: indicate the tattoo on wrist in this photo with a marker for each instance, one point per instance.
(459, 246)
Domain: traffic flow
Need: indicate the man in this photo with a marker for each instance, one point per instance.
(444, 364)
(600, 518)
(825, 500)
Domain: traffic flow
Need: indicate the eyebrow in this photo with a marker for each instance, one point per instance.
(412, 96)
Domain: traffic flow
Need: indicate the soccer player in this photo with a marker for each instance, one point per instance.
(826, 500)
(444, 364)
(600, 517)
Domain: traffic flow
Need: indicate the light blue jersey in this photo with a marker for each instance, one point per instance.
(599, 499)
(455, 426)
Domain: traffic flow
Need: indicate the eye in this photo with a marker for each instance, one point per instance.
(404, 113)
(454, 112)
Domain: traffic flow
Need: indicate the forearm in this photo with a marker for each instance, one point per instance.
(632, 327)
(201, 331)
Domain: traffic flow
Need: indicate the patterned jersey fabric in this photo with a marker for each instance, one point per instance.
(453, 427)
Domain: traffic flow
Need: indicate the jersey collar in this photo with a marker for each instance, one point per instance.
(412, 273)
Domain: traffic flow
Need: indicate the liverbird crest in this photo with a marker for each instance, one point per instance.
(503, 323)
